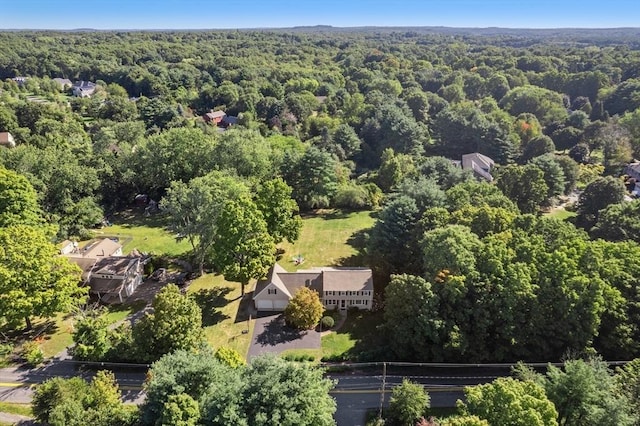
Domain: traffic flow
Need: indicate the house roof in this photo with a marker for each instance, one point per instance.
(63, 81)
(479, 164)
(347, 279)
(97, 249)
(216, 114)
(6, 139)
(106, 285)
(633, 166)
(319, 279)
(114, 265)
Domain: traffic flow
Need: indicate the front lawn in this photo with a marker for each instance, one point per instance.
(357, 339)
(224, 317)
(328, 238)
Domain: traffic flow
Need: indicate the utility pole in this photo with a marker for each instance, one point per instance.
(384, 381)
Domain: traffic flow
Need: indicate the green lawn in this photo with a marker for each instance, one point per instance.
(14, 408)
(224, 319)
(147, 234)
(358, 334)
(328, 237)
(562, 214)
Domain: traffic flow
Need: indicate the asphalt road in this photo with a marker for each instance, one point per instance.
(356, 392)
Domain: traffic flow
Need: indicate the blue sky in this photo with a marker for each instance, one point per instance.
(186, 14)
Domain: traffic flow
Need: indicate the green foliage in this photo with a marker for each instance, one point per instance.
(304, 309)
(327, 322)
(409, 401)
(597, 195)
(269, 391)
(243, 249)
(174, 324)
(18, 200)
(585, 393)
(280, 212)
(32, 354)
(410, 319)
(34, 280)
(230, 357)
(313, 177)
(525, 185)
(91, 337)
(545, 104)
(74, 402)
(393, 246)
(506, 401)
(286, 393)
(628, 381)
(619, 222)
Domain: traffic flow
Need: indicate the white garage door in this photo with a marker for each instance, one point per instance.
(264, 305)
(279, 305)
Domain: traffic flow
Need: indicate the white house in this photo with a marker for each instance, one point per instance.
(339, 288)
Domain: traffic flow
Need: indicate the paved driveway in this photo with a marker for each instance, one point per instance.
(272, 335)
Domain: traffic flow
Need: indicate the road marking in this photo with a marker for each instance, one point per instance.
(431, 390)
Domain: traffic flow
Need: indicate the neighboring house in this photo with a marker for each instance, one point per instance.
(115, 278)
(338, 287)
(229, 120)
(480, 165)
(20, 80)
(633, 170)
(6, 140)
(83, 89)
(109, 275)
(214, 117)
(64, 83)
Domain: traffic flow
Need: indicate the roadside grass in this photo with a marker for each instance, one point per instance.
(328, 238)
(298, 354)
(147, 234)
(357, 336)
(15, 408)
(225, 314)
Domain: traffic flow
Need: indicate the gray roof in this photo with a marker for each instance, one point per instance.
(347, 279)
(479, 164)
(115, 265)
(318, 279)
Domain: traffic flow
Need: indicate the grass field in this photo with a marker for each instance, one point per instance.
(562, 214)
(147, 234)
(224, 317)
(328, 237)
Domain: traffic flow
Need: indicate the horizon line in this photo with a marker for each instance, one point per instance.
(319, 26)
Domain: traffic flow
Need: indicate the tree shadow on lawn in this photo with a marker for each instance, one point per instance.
(277, 331)
(357, 240)
(209, 301)
(135, 217)
(371, 345)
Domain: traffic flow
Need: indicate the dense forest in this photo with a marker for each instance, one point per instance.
(366, 119)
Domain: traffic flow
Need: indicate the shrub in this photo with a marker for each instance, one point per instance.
(327, 322)
(230, 357)
(32, 354)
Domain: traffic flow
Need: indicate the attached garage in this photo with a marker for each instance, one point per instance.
(271, 305)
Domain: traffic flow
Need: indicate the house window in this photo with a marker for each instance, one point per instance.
(366, 302)
(272, 291)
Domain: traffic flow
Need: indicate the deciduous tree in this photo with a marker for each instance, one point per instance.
(34, 280)
(304, 309)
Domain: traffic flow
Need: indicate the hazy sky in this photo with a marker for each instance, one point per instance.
(160, 14)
